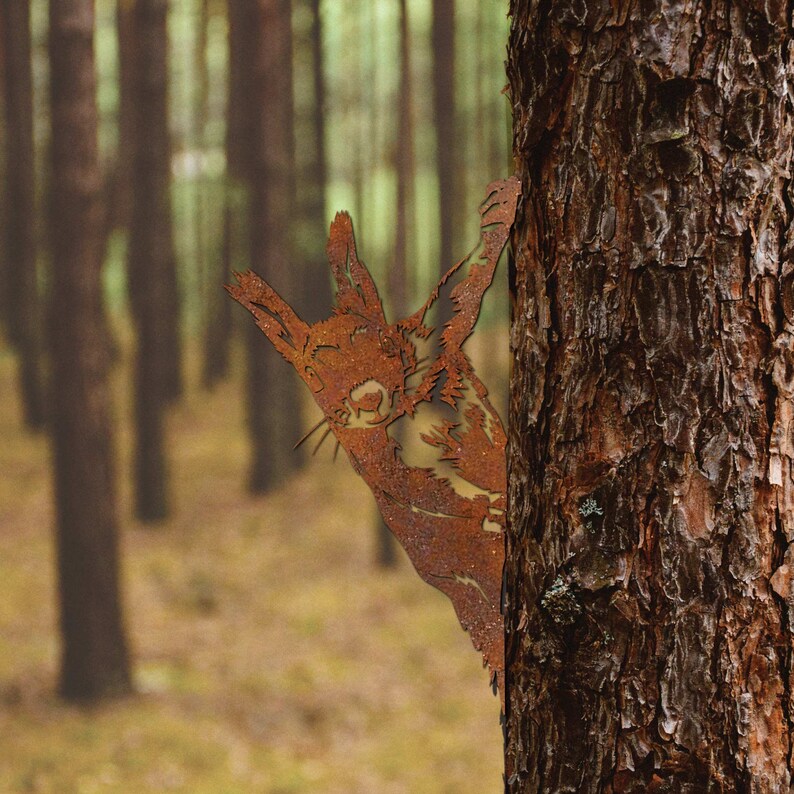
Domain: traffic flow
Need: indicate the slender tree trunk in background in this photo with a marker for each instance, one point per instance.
(288, 98)
(318, 116)
(385, 543)
(218, 332)
(121, 209)
(649, 569)
(94, 661)
(243, 21)
(293, 266)
(151, 260)
(400, 277)
(200, 118)
(5, 265)
(356, 91)
(498, 153)
(240, 139)
(482, 85)
(311, 168)
(151, 246)
(399, 281)
(373, 127)
(20, 193)
(273, 396)
(443, 43)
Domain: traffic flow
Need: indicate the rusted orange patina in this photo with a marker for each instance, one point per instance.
(365, 375)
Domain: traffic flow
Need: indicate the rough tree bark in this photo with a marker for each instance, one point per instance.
(94, 659)
(651, 494)
(151, 265)
(20, 214)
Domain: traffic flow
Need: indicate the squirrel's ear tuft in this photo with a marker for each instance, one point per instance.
(274, 316)
(460, 291)
(355, 288)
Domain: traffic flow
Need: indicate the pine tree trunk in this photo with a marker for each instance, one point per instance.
(443, 43)
(273, 396)
(355, 95)
(218, 331)
(399, 275)
(5, 268)
(20, 193)
(242, 22)
(94, 661)
(293, 266)
(651, 494)
(314, 303)
(200, 117)
(498, 154)
(399, 281)
(151, 260)
(121, 209)
(217, 326)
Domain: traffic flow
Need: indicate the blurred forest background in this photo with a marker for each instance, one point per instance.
(186, 602)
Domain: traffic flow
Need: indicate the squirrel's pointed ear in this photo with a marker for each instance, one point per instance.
(288, 333)
(464, 283)
(355, 289)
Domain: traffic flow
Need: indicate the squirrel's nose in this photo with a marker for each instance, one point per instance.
(367, 398)
(370, 401)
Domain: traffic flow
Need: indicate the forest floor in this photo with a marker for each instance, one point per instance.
(270, 653)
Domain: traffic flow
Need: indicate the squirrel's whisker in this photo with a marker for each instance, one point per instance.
(320, 442)
(305, 436)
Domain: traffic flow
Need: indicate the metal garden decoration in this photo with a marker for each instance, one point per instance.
(367, 377)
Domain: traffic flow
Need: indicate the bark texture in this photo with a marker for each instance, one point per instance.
(649, 573)
(94, 659)
(20, 215)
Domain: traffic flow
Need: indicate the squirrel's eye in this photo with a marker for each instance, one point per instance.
(388, 346)
(313, 380)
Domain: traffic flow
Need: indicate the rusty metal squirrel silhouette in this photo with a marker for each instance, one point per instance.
(360, 368)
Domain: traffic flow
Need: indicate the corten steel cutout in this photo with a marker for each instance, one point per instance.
(358, 366)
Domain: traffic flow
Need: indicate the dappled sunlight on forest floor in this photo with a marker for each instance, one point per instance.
(270, 653)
